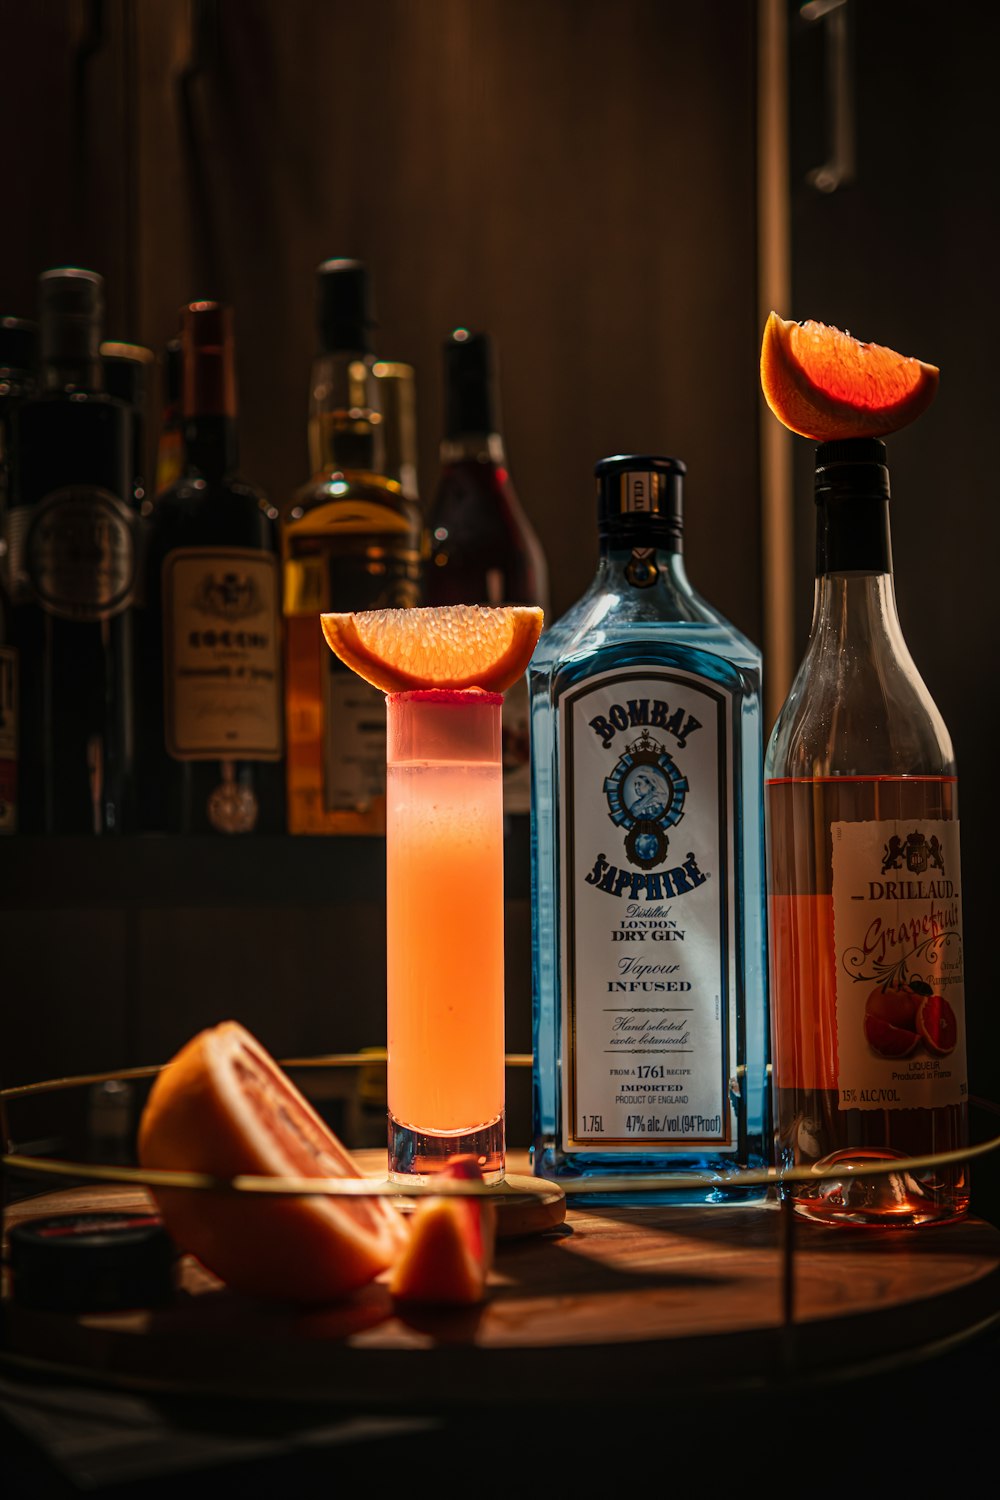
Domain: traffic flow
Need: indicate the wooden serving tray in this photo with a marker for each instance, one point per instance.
(699, 1291)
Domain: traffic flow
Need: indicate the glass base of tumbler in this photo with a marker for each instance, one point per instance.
(416, 1155)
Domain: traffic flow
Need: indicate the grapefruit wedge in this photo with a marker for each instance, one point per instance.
(456, 646)
(450, 1250)
(825, 385)
(224, 1107)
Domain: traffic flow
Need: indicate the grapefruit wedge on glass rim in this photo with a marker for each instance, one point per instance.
(223, 1107)
(451, 646)
(825, 385)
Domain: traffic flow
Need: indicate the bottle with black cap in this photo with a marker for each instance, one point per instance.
(126, 375)
(864, 889)
(72, 565)
(18, 343)
(350, 541)
(480, 546)
(651, 1032)
(209, 665)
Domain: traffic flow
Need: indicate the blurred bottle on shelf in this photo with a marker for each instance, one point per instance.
(170, 443)
(18, 344)
(71, 534)
(350, 541)
(127, 369)
(480, 546)
(209, 664)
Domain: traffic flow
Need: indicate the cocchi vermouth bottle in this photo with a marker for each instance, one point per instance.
(209, 668)
(650, 1019)
(864, 888)
(350, 540)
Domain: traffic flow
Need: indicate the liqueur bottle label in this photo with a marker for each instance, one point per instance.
(79, 554)
(222, 683)
(897, 935)
(647, 875)
(8, 739)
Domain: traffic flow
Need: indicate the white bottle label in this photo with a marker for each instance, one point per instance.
(648, 934)
(222, 684)
(897, 932)
(353, 741)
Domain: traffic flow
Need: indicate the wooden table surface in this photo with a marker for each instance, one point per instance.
(697, 1291)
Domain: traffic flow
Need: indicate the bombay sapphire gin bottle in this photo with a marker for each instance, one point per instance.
(650, 1026)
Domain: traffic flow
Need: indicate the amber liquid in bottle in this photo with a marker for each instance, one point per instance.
(350, 540)
(864, 887)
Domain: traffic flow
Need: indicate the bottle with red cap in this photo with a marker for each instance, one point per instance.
(208, 667)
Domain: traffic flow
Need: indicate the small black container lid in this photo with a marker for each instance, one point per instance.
(345, 317)
(92, 1262)
(641, 494)
(470, 404)
(18, 344)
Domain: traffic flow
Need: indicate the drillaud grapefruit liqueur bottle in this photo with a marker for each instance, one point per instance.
(650, 1023)
(864, 889)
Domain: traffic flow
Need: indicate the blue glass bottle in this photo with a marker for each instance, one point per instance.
(650, 1025)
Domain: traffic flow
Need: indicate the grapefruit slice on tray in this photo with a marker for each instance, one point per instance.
(453, 646)
(452, 1240)
(223, 1107)
(823, 384)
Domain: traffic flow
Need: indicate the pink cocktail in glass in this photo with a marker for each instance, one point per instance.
(444, 931)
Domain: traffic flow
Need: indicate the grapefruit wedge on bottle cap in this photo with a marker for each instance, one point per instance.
(222, 1106)
(825, 385)
(455, 646)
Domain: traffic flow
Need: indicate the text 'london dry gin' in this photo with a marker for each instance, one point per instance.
(650, 1027)
(865, 891)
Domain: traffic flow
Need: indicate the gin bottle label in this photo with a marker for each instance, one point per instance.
(222, 683)
(897, 939)
(647, 881)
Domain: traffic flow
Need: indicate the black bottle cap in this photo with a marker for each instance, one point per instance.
(852, 468)
(345, 318)
(639, 495)
(92, 1262)
(18, 344)
(70, 315)
(470, 404)
(125, 368)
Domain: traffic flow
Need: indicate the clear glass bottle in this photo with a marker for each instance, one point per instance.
(649, 948)
(72, 568)
(480, 546)
(210, 722)
(350, 541)
(864, 888)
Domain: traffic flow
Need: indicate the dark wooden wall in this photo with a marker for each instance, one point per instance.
(575, 176)
(906, 254)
